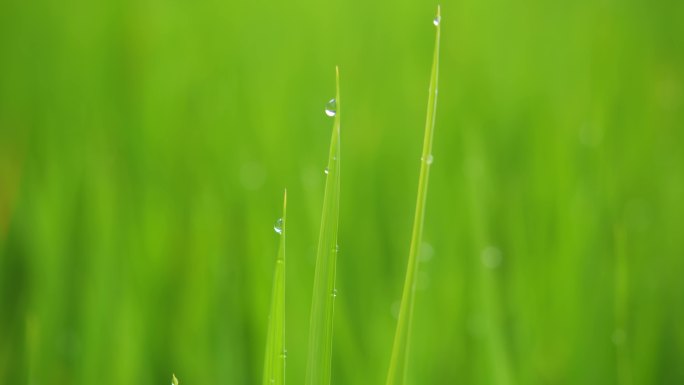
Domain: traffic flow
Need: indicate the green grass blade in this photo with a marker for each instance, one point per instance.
(322, 304)
(174, 380)
(396, 374)
(274, 360)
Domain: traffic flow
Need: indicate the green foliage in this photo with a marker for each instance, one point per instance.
(400, 351)
(274, 359)
(323, 301)
(144, 146)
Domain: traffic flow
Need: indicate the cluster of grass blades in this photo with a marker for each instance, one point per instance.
(320, 335)
(318, 368)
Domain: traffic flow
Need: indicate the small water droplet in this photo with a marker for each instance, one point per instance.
(426, 252)
(475, 325)
(491, 257)
(283, 355)
(429, 159)
(422, 281)
(395, 308)
(331, 107)
(326, 171)
(334, 293)
(436, 20)
(278, 226)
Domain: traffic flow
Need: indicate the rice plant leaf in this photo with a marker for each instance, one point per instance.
(400, 351)
(323, 299)
(274, 360)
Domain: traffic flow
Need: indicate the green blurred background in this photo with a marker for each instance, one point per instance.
(145, 145)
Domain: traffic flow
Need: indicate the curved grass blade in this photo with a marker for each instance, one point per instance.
(322, 304)
(174, 380)
(274, 359)
(396, 374)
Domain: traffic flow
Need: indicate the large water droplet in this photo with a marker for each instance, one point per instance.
(429, 159)
(326, 171)
(278, 226)
(437, 20)
(422, 281)
(331, 107)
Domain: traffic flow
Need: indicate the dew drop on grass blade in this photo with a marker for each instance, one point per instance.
(323, 298)
(396, 374)
(274, 358)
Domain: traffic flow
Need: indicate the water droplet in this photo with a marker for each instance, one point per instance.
(476, 325)
(326, 171)
(437, 20)
(491, 257)
(334, 293)
(395, 308)
(429, 159)
(638, 215)
(422, 281)
(278, 226)
(331, 107)
(252, 175)
(283, 355)
(426, 252)
(337, 248)
(590, 134)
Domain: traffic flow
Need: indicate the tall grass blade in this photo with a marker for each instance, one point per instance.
(274, 360)
(396, 374)
(322, 305)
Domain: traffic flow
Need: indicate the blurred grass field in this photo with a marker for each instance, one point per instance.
(145, 145)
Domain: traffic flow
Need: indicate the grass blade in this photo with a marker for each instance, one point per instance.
(274, 360)
(396, 374)
(322, 304)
